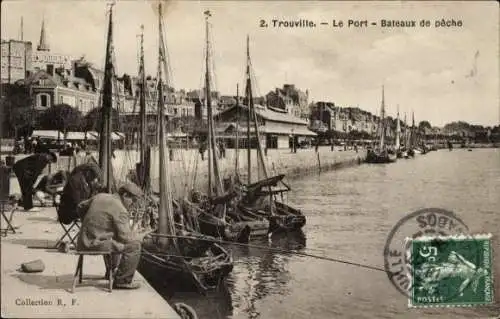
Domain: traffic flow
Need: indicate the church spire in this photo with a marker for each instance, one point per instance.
(43, 45)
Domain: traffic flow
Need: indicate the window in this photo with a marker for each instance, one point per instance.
(81, 104)
(44, 100)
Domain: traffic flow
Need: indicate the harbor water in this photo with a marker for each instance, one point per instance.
(350, 213)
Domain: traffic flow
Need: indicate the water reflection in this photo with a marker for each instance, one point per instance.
(257, 273)
(216, 304)
(261, 272)
(349, 215)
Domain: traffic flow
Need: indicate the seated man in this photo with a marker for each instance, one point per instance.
(83, 182)
(106, 226)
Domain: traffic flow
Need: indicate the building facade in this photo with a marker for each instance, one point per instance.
(16, 60)
(276, 128)
(326, 116)
(289, 99)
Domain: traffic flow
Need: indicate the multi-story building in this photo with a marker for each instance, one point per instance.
(327, 116)
(289, 99)
(16, 60)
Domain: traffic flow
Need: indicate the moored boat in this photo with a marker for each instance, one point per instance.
(166, 257)
(381, 153)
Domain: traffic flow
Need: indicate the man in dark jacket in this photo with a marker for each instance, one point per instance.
(106, 227)
(84, 181)
(27, 171)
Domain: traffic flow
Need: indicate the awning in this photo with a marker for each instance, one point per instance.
(177, 135)
(301, 131)
(115, 136)
(47, 134)
(79, 136)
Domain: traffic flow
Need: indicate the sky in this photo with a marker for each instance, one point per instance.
(441, 74)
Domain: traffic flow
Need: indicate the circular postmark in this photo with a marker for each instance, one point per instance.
(424, 222)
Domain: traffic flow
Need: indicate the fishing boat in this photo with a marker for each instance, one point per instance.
(399, 150)
(409, 150)
(165, 258)
(260, 198)
(381, 153)
(215, 210)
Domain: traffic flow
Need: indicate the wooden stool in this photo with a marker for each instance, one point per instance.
(8, 206)
(110, 268)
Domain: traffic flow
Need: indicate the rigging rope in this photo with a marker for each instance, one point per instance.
(278, 250)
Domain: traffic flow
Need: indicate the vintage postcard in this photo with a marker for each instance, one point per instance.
(249, 159)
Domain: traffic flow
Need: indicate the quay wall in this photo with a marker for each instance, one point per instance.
(189, 171)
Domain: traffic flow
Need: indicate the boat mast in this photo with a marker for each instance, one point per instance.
(213, 163)
(166, 224)
(142, 103)
(237, 164)
(413, 137)
(382, 120)
(260, 155)
(143, 180)
(107, 104)
(208, 100)
(249, 115)
(398, 130)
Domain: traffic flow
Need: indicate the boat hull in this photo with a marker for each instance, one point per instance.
(239, 231)
(286, 218)
(380, 158)
(202, 274)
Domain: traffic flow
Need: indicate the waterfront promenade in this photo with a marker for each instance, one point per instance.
(188, 170)
(47, 294)
(41, 229)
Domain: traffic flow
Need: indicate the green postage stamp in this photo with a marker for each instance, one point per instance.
(451, 271)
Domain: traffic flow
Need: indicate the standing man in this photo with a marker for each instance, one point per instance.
(27, 171)
(202, 150)
(106, 226)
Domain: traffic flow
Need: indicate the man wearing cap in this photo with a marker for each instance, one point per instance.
(27, 171)
(106, 226)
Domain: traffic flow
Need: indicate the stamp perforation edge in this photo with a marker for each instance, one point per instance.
(488, 236)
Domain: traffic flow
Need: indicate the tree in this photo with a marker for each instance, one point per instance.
(61, 117)
(424, 125)
(18, 110)
(92, 121)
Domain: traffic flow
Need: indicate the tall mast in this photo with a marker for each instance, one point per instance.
(251, 107)
(142, 100)
(208, 100)
(398, 130)
(162, 218)
(249, 99)
(237, 168)
(143, 171)
(166, 224)
(107, 105)
(382, 120)
(413, 136)
(213, 162)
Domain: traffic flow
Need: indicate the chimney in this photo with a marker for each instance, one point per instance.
(50, 69)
